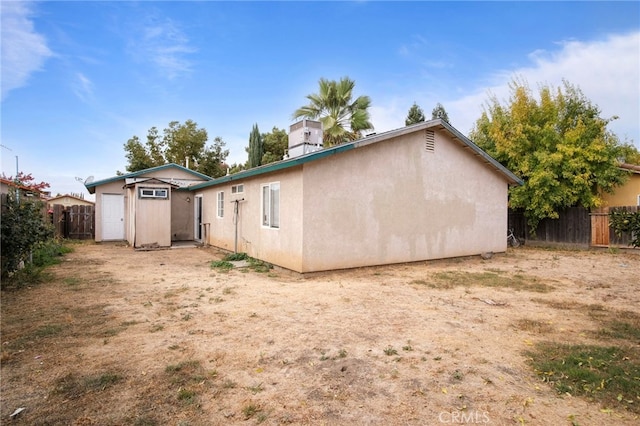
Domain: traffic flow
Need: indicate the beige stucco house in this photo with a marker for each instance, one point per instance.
(417, 193)
(627, 194)
(151, 207)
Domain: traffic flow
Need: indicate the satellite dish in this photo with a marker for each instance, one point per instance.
(88, 180)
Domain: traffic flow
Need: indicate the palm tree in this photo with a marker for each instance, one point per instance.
(342, 119)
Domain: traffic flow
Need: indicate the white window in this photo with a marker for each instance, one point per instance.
(237, 189)
(221, 204)
(161, 193)
(271, 205)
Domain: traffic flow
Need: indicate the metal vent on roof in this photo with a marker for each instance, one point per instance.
(430, 140)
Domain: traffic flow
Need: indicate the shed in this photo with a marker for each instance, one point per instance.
(151, 207)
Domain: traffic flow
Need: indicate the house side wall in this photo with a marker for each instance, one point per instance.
(152, 217)
(109, 188)
(182, 216)
(282, 246)
(625, 195)
(393, 202)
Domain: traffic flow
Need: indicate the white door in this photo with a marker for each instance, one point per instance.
(112, 217)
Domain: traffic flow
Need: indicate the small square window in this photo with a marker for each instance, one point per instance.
(157, 193)
(237, 189)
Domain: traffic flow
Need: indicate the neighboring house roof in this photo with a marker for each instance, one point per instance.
(371, 139)
(633, 168)
(92, 185)
(22, 187)
(59, 197)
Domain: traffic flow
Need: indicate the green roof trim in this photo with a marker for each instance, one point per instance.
(93, 184)
(280, 165)
(374, 138)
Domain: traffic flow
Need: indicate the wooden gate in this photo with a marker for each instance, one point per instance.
(600, 227)
(75, 222)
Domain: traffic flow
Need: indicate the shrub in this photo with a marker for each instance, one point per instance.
(626, 222)
(23, 227)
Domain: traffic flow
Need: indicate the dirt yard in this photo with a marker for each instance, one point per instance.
(123, 337)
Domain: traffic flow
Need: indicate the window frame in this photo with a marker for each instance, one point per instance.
(220, 204)
(237, 189)
(270, 212)
(156, 193)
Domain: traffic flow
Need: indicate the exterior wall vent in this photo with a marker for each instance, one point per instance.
(430, 140)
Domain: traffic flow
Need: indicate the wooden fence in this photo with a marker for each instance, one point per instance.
(75, 222)
(576, 226)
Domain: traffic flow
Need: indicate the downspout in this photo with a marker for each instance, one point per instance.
(235, 222)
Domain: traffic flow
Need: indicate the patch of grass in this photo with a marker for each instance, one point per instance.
(187, 396)
(621, 330)
(532, 326)
(388, 351)
(186, 373)
(222, 265)
(248, 411)
(72, 386)
(259, 265)
(48, 330)
(229, 384)
(234, 257)
(342, 353)
(71, 281)
(452, 279)
(609, 375)
(255, 388)
(156, 327)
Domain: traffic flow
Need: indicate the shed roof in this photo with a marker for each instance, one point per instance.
(92, 185)
(438, 124)
(59, 197)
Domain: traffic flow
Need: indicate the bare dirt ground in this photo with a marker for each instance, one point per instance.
(143, 338)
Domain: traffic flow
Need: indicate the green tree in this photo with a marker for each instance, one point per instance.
(559, 146)
(343, 120)
(183, 144)
(439, 112)
(415, 115)
(256, 149)
(275, 145)
(212, 160)
(22, 228)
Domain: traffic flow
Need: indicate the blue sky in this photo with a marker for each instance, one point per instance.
(81, 78)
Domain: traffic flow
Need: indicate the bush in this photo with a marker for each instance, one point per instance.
(23, 227)
(626, 222)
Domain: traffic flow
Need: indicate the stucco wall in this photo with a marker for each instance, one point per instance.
(626, 195)
(282, 246)
(395, 202)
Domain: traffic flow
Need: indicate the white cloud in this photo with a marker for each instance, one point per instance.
(165, 45)
(83, 87)
(607, 71)
(24, 51)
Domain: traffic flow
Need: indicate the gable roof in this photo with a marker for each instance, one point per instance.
(633, 168)
(437, 124)
(73, 197)
(92, 185)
